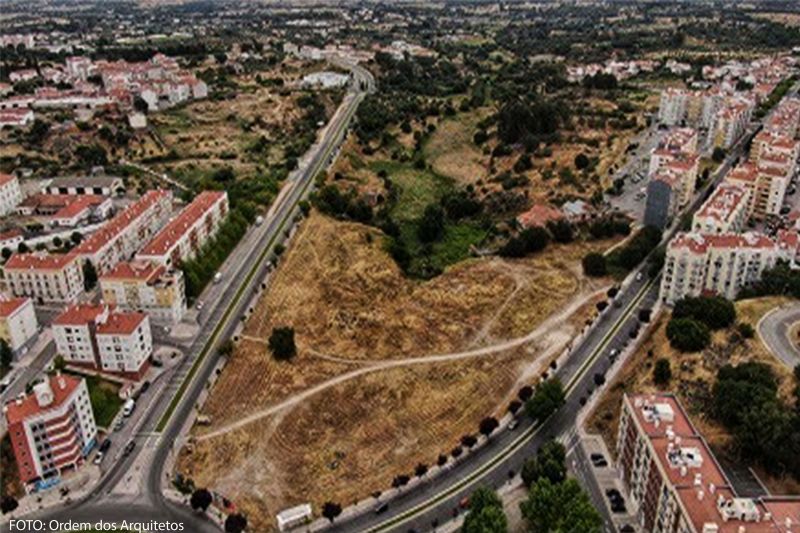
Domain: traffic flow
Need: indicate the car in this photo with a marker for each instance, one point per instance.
(627, 528)
(105, 445)
(129, 448)
(600, 463)
(199, 305)
(382, 508)
(6, 383)
(119, 425)
(513, 425)
(639, 276)
(98, 458)
(612, 355)
(613, 493)
(596, 456)
(145, 386)
(785, 210)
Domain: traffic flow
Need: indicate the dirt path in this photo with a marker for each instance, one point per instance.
(368, 367)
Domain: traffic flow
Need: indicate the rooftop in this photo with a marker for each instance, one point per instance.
(8, 306)
(61, 386)
(39, 261)
(163, 242)
(723, 202)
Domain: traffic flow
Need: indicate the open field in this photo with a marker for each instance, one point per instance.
(350, 406)
(693, 375)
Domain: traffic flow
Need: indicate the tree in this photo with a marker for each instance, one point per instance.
(714, 311)
(469, 441)
(140, 105)
(400, 481)
(8, 504)
(549, 462)
(745, 330)
(281, 343)
(201, 499)
(89, 275)
(420, 470)
(594, 264)
(662, 372)
(718, 155)
(560, 507)
(561, 230)
(59, 363)
(549, 397)
(331, 510)
(57, 242)
(488, 425)
(235, 523)
(441, 460)
(22, 248)
(431, 225)
(687, 334)
(76, 237)
(581, 161)
(6, 355)
(485, 513)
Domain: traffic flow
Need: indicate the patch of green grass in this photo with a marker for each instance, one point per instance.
(105, 399)
(454, 246)
(417, 188)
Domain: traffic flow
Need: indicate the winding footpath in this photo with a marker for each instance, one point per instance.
(774, 329)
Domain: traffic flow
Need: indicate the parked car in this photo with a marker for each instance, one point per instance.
(513, 425)
(382, 508)
(129, 448)
(98, 458)
(105, 445)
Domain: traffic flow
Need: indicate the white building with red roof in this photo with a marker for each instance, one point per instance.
(147, 287)
(725, 211)
(68, 210)
(124, 234)
(18, 324)
(720, 264)
(104, 339)
(56, 278)
(11, 239)
(52, 430)
(10, 193)
(183, 236)
(674, 481)
(16, 118)
(539, 215)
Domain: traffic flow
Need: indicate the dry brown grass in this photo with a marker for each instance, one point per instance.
(693, 375)
(345, 297)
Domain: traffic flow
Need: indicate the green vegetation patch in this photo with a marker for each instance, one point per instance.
(417, 188)
(105, 399)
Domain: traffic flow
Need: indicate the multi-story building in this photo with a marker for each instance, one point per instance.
(185, 234)
(721, 263)
(664, 193)
(103, 339)
(785, 118)
(672, 107)
(99, 185)
(56, 278)
(147, 287)
(68, 210)
(124, 234)
(18, 323)
(725, 211)
(767, 141)
(676, 155)
(10, 193)
(52, 430)
(732, 120)
(674, 482)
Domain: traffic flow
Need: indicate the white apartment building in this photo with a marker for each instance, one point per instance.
(767, 184)
(672, 107)
(103, 339)
(52, 430)
(725, 211)
(56, 278)
(185, 234)
(18, 323)
(732, 120)
(147, 287)
(10, 194)
(720, 263)
(124, 234)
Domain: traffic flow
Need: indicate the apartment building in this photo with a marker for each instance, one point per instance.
(770, 141)
(676, 155)
(674, 482)
(46, 278)
(672, 106)
(725, 211)
(720, 263)
(124, 234)
(732, 120)
(183, 236)
(18, 324)
(10, 194)
(664, 193)
(767, 184)
(104, 339)
(785, 118)
(147, 287)
(52, 430)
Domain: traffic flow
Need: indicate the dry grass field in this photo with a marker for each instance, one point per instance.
(693, 375)
(349, 412)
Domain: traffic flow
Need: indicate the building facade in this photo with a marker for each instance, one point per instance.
(10, 194)
(144, 286)
(725, 211)
(45, 278)
(18, 324)
(105, 340)
(183, 236)
(720, 264)
(52, 430)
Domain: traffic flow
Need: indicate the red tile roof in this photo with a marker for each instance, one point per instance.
(119, 223)
(113, 323)
(539, 215)
(177, 227)
(8, 306)
(39, 261)
(62, 386)
(121, 323)
(79, 315)
(6, 178)
(134, 270)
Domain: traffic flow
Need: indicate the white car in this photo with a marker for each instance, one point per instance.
(199, 305)
(98, 458)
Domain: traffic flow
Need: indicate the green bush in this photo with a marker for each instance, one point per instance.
(688, 334)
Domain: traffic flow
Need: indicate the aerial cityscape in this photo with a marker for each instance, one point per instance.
(400, 266)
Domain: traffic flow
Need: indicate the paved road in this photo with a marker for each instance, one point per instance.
(161, 425)
(774, 331)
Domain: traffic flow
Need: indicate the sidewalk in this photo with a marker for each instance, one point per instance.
(78, 483)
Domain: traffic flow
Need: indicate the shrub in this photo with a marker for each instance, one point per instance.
(688, 334)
